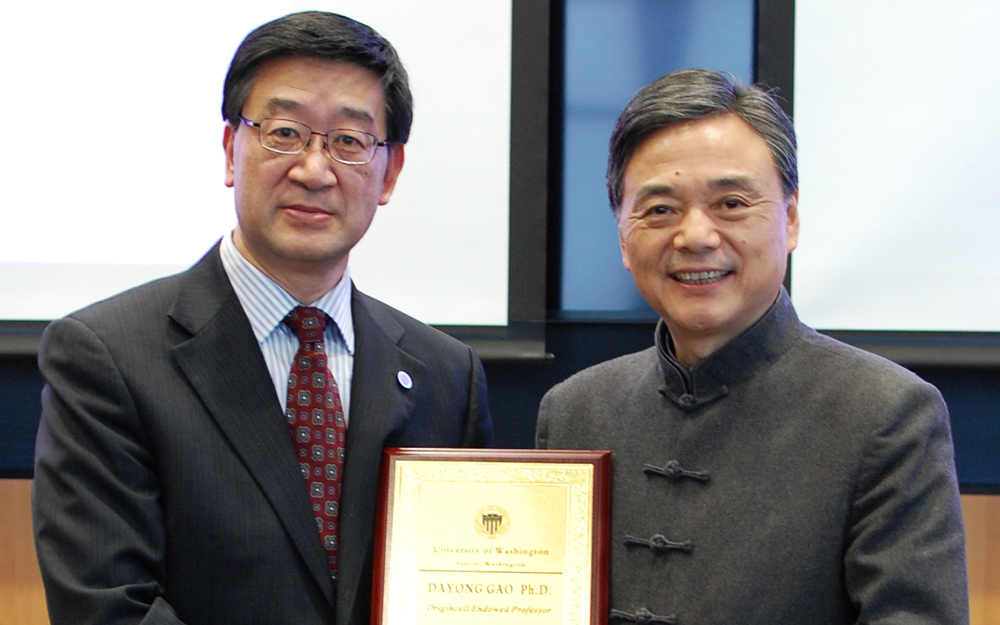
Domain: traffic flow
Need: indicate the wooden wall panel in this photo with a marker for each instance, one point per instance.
(982, 540)
(22, 601)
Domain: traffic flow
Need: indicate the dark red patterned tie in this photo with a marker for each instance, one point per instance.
(316, 419)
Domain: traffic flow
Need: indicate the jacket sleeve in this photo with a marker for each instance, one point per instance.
(905, 544)
(542, 423)
(478, 426)
(99, 528)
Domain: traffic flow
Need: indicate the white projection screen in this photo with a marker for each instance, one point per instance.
(114, 165)
(895, 106)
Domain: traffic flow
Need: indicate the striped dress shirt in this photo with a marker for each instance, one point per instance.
(266, 305)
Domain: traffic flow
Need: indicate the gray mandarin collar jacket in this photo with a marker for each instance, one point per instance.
(786, 478)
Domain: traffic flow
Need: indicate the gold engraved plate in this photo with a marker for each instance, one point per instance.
(488, 542)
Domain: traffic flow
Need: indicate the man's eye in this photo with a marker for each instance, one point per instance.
(733, 203)
(347, 141)
(285, 132)
(660, 211)
(659, 215)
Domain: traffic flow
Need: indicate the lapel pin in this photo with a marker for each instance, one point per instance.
(404, 380)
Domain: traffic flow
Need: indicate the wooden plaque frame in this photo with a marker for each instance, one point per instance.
(443, 553)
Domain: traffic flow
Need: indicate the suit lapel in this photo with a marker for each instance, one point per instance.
(224, 364)
(379, 407)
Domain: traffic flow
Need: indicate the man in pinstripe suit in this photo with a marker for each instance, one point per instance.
(167, 488)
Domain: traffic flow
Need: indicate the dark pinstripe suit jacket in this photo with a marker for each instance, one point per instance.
(166, 485)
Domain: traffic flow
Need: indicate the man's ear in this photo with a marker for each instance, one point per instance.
(228, 138)
(792, 223)
(624, 249)
(393, 165)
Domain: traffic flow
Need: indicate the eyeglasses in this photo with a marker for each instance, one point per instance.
(285, 136)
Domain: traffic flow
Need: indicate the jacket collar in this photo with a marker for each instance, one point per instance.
(378, 411)
(711, 378)
(241, 399)
(224, 364)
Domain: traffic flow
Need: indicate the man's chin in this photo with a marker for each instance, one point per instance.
(700, 322)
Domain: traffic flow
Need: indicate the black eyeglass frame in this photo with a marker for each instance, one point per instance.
(326, 139)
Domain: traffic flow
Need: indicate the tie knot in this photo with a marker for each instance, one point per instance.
(308, 322)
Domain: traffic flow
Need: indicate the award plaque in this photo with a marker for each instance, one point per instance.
(492, 537)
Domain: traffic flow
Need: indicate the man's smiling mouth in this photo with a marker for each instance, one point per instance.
(699, 277)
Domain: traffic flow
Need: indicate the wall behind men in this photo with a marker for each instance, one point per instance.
(461, 141)
(612, 48)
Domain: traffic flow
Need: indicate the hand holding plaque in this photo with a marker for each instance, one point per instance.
(494, 536)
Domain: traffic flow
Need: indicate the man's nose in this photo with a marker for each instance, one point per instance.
(697, 231)
(315, 166)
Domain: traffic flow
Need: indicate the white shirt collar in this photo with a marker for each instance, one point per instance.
(266, 303)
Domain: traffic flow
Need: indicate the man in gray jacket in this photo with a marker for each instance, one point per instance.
(762, 473)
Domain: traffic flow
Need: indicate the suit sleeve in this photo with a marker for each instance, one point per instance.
(478, 426)
(905, 545)
(542, 424)
(99, 528)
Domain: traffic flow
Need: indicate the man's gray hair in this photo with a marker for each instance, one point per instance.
(692, 94)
